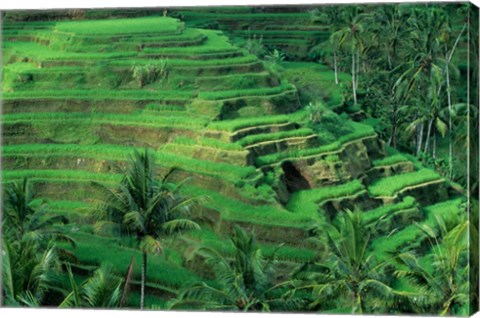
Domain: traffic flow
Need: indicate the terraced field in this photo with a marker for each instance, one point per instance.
(79, 96)
(292, 31)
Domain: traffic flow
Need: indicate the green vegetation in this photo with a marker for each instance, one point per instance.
(253, 139)
(237, 124)
(390, 186)
(361, 131)
(228, 146)
(306, 202)
(406, 204)
(120, 26)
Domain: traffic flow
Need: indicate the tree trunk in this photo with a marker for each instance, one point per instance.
(144, 278)
(434, 144)
(335, 65)
(388, 58)
(357, 67)
(449, 97)
(420, 139)
(353, 79)
(427, 141)
(126, 286)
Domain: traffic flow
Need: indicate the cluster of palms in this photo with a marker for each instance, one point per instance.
(37, 271)
(34, 262)
(347, 278)
(401, 59)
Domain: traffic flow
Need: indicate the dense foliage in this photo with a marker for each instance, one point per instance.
(228, 147)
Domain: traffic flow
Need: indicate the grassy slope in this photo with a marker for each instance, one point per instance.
(314, 82)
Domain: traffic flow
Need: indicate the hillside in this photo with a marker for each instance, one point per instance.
(80, 96)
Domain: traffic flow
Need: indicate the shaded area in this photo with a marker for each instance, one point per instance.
(294, 180)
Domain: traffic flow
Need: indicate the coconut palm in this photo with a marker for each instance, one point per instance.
(102, 290)
(351, 273)
(350, 36)
(27, 274)
(145, 207)
(246, 281)
(22, 222)
(445, 287)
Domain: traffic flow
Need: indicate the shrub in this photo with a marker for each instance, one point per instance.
(315, 112)
(275, 57)
(255, 46)
(149, 73)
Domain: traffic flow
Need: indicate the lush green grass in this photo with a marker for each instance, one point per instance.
(316, 82)
(361, 131)
(100, 152)
(66, 175)
(385, 210)
(93, 249)
(253, 139)
(306, 202)
(207, 142)
(216, 42)
(263, 91)
(226, 171)
(121, 26)
(245, 16)
(119, 153)
(211, 240)
(107, 119)
(235, 210)
(99, 94)
(412, 233)
(41, 53)
(237, 124)
(390, 186)
(172, 63)
(390, 160)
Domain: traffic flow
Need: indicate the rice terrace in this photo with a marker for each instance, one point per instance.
(267, 158)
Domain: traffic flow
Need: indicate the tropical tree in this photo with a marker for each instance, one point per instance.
(421, 81)
(28, 275)
(23, 222)
(351, 273)
(391, 31)
(450, 46)
(246, 281)
(350, 37)
(331, 16)
(445, 288)
(145, 207)
(30, 258)
(102, 290)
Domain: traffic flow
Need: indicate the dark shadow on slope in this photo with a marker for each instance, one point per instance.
(294, 180)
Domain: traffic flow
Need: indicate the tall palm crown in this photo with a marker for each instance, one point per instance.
(145, 207)
(30, 257)
(246, 281)
(21, 221)
(351, 274)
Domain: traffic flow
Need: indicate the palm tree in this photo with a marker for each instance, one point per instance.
(391, 31)
(331, 16)
(246, 281)
(423, 70)
(351, 273)
(102, 290)
(146, 207)
(22, 222)
(350, 35)
(30, 257)
(27, 274)
(445, 287)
